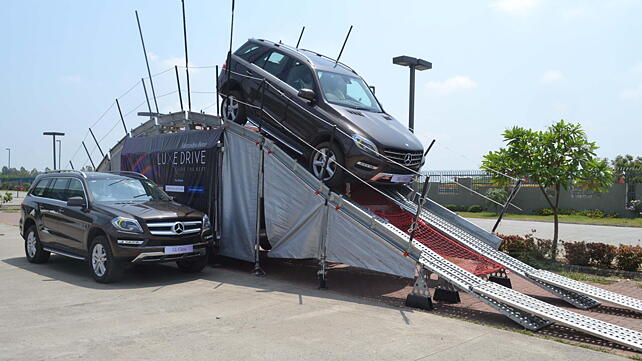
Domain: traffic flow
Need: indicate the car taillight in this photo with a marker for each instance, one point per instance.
(225, 65)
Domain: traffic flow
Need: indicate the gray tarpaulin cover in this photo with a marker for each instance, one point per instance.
(351, 243)
(240, 182)
(293, 213)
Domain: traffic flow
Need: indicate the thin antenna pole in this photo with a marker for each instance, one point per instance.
(189, 98)
(149, 72)
(149, 108)
(72, 165)
(178, 84)
(300, 36)
(229, 53)
(343, 46)
(121, 117)
(88, 155)
(98, 145)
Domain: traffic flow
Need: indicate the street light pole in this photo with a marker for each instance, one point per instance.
(59, 152)
(413, 64)
(54, 134)
(9, 163)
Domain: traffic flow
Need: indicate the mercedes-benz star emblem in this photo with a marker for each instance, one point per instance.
(178, 227)
(407, 159)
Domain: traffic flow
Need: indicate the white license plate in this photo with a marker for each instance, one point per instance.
(401, 178)
(179, 249)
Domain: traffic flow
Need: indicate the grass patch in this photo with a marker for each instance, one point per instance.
(576, 219)
(9, 210)
(585, 277)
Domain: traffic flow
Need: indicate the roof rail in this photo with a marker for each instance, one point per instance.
(129, 173)
(66, 171)
(329, 58)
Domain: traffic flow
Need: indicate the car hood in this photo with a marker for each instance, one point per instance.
(151, 210)
(381, 128)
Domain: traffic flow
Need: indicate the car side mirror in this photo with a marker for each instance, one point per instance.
(307, 94)
(76, 202)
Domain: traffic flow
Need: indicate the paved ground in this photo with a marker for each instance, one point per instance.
(56, 311)
(568, 232)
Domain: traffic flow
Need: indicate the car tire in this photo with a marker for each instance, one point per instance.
(337, 178)
(33, 248)
(192, 265)
(232, 109)
(103, 266)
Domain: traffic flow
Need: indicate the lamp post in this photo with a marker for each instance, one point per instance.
(59, 152)
(413, 64)
(54, 134)
(9, 163)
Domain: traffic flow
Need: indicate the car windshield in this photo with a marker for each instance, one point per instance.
(348, 91)
(124, 189)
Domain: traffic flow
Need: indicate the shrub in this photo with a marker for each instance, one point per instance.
(629, 258)
(527, 248)
(577, 253)
(455, 208)
(601, 255)
(475, 208)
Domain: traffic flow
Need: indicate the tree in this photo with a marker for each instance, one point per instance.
(498, 195)
(560, 157)
(628, 167)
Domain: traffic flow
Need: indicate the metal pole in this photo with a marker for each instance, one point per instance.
(217, 106)
(411, 110)
(300, 36)
(229, 53)
(72, 165)
(343, 46)
(259, 194)
(512, 195)
(149, 72)
(178, 84)
(149, 108)
(189, 98)
(88, 155)
(98, 145)
(54, 152)
(121, 117)
(9, 162)
(59, 152)
(415, 221)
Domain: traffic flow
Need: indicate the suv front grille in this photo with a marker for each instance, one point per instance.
(176, 228)
(408, 159)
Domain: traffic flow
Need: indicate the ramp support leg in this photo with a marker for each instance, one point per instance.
(446, 292)
(419, 297)
(258, 271)
(500, 277)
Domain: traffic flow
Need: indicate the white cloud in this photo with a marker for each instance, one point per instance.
(632, 94)
(453, 84)
(552, 76)
(514, 6)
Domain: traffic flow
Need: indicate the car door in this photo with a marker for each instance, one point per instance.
(38, 196)
(73, 221)
(50, 209)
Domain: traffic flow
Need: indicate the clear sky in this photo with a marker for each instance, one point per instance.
(496, 64)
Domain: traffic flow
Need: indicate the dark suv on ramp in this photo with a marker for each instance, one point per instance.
(309, 94)
(111, 220)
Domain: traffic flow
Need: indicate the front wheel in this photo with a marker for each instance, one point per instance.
(192, 265)
(33, 247)
(102, 264)
(233, 108)
(333, 175)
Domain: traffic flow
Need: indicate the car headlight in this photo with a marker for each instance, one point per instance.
(364, 143)
(127, 224)
(206, 222)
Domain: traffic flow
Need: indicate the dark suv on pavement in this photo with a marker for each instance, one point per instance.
(309, 94)
(111, 220)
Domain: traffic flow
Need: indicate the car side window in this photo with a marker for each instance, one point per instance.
(248, 51)
(39, 189)
(75, 189)
(274, 63)
(57, 189)
(299, 76)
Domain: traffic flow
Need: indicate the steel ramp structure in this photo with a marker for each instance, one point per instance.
(579, 294)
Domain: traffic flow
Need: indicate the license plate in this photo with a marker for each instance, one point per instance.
(179, 249)
(401, 178)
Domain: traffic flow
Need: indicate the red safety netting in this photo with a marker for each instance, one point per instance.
(442, 245)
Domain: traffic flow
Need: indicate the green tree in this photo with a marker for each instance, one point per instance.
(560, 157)
(498, 195)
(628, 167)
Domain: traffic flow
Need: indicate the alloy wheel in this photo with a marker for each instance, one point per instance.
(31, 244)
(319, 160)
(99, 260)
(231, 109)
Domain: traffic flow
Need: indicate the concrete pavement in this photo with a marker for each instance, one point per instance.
(568, 232)
(56, 311)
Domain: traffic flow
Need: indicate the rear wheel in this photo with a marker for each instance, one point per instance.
(333, 175)
(33, 247)
(192, 265)
(102, 264)
(233, 108)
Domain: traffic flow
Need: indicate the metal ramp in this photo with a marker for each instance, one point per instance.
(527, 311)
(576, 293)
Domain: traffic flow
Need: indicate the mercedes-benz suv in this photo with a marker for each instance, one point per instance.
(110, 220)
(304, 96)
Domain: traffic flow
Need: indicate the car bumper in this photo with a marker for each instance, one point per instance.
(377, 170)
(146, 249)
